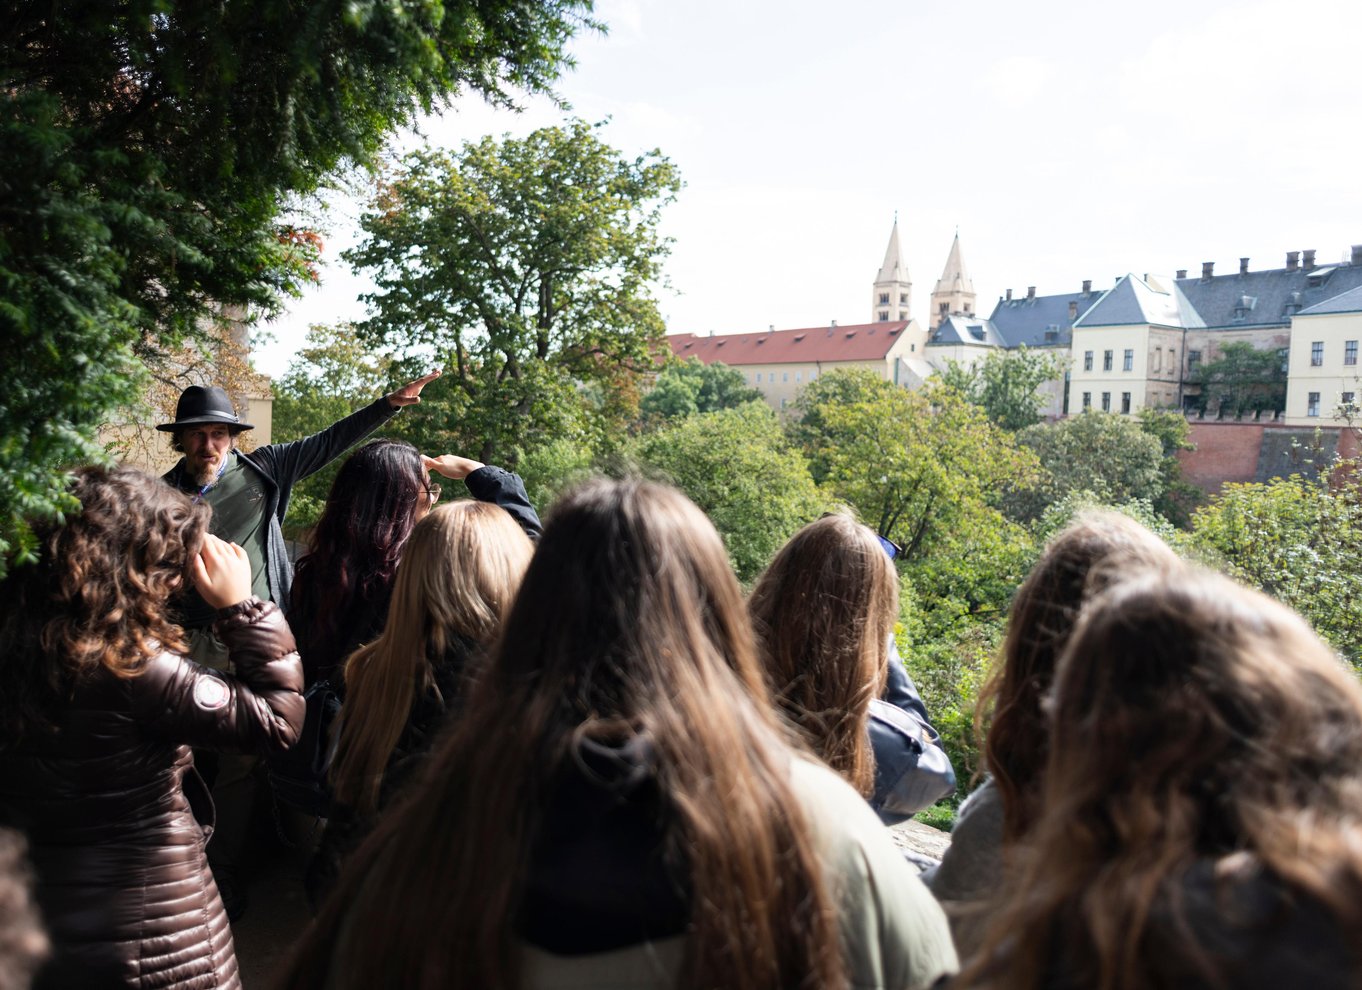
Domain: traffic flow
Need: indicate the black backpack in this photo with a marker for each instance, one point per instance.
(299, 774)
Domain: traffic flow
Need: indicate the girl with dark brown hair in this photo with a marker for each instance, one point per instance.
(98, 709)
(1203, 803)
(1095, 549)
(617, 803)
(824, 613)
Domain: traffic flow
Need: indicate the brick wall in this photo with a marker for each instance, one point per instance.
(1228, 451)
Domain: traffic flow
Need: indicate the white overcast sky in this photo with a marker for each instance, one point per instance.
(1065, 140)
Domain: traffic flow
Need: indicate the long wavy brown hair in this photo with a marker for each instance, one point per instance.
(823, 613)
(629, 620)
(1039, 624)
(1193, 721)
(96, 598)
(460, 572)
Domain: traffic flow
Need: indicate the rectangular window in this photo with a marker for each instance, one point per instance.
(903, 299)
(1350, 352)
(884, 299)
(1106, 402)
(1317, 354)
(1125, 403)
(1087, 400)
(1128, 362)
(1106, 360)
(799, 375)
(1312, 404)
(1193, 360)
(1348, 402)
(1158, 359)
(884, 315)
(1087, 360)
(813, 375)
(785, 376)
(783, 402)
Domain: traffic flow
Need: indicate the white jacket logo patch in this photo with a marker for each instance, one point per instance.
(210, 694)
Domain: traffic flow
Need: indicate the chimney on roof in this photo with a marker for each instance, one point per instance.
(1009, 295)
(1293, 260)
(1309, 259)
(1243, 266)
(1207, 270)
(1182, 273)
(1087, 286)
(1073, 310)
(1357, 254)
(1030, 293)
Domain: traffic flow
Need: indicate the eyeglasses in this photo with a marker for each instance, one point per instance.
(889, 546)
(433, 493)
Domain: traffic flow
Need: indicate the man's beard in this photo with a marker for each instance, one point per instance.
(208, 473)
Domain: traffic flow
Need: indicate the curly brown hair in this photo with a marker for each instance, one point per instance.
(97, 596)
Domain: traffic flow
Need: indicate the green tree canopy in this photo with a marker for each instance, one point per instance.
(914, 464)
(1300, 541)
(1106, 455)
(330, 377)
(684, 388)
(1242, 379)
(524, 267)
(736, 465)
(149, 153)
(1006, 384)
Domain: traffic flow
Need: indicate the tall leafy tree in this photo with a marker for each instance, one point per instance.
(1006, 384)
(737, 466)
(1242, 379)
(149, 151)
(914, 464)
(330, 377)
(684, 388)
(525, 267)
(1110, 457)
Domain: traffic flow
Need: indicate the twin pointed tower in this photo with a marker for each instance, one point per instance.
(893, 292)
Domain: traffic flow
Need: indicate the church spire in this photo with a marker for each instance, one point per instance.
(893, 289)
(954, 293)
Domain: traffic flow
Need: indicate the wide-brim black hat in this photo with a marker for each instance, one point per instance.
(205, 404)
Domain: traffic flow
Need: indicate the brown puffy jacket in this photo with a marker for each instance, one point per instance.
(117, 817)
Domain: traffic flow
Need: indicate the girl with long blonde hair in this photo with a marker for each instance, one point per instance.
(459, 574)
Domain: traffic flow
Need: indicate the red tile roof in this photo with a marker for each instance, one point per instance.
(862, 342)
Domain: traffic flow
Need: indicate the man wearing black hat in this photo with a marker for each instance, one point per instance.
(249, 494)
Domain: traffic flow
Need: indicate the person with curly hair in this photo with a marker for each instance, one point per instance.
(98, 710)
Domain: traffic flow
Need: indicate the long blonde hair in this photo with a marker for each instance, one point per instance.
(461, 569)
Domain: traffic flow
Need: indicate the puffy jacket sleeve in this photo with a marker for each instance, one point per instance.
(259, 709)
(506, 489)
